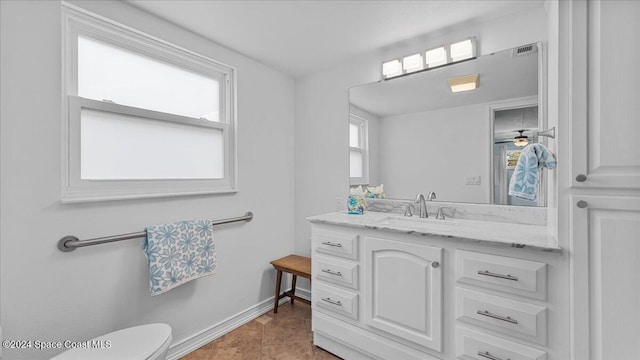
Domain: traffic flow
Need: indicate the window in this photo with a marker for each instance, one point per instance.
(142, 117)
(358, 151)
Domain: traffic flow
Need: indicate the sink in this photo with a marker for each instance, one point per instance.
(406, 221)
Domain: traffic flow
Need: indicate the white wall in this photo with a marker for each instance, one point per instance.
(322, 108)
(418, 149)
(49, 295)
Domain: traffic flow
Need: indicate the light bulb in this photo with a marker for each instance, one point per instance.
(521, 140)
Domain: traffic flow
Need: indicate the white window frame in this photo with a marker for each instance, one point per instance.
(77, 21)
(363, 137)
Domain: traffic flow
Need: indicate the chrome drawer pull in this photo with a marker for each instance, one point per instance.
(331, 244)
(498, 317)
(489, 273)
(332, 302)
(328, 271)
(486, 354)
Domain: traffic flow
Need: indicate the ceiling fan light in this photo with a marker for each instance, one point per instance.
(521, 140)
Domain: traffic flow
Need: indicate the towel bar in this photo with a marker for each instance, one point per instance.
(70, 242)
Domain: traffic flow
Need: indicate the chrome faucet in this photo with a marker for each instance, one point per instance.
(422, 206)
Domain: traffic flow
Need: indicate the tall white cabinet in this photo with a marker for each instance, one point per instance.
(604, 91)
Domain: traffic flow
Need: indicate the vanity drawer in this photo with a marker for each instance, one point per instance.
(335, 301)
(516, 276)
(336, 271)
(471, 345)
(335, 243)
(511, 317)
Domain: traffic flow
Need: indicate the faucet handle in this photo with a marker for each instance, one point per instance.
(407, 211)
(431, 196)
(440, 214)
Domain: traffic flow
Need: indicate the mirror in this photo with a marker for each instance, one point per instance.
(414, 135)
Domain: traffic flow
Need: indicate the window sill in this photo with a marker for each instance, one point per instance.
(80, 197)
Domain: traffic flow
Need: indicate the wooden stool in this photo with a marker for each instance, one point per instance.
(296, 266)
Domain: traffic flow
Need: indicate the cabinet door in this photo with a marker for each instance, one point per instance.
(605, 269)
(404, 290)
(605, 93)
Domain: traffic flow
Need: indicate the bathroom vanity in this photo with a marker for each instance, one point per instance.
(386, 286)
(494, 285)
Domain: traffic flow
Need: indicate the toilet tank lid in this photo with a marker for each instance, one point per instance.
(139, 343)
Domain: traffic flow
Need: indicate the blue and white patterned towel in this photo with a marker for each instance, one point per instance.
(178, 253)
(524, 181)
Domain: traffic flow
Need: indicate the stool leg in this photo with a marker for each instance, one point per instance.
(278, 281)
(293, 288)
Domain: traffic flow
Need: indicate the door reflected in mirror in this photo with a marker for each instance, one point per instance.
(415, 135)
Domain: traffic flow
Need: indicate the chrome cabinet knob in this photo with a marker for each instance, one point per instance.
(581, 178)
(582, 204)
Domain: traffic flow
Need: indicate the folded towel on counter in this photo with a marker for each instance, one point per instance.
(525, 178)
(178, 253)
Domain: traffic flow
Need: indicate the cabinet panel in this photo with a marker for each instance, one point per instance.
(335, 300)
(404, 290)
(606, 290)
(335, 243)
(336, 271)
(516, 276)
(471, 345)
(605, 52)
(511, 317)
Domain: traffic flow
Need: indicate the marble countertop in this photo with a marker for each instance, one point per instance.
(534, 237)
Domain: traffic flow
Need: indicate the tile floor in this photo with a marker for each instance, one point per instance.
(283, 336)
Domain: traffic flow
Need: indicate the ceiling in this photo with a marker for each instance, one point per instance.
(302, 37)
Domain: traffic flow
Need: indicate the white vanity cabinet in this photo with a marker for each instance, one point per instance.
(402, 295)
(508, 299)
(377, 294)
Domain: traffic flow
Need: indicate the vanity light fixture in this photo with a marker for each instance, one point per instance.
(442, 55)
(391, 68)
(412, 63)
(435, 57)
(464, 83)
(521, 140)
(465, 49)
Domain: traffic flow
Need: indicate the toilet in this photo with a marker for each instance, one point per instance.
(145, 342)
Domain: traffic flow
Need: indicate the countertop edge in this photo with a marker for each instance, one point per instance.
(519, 245)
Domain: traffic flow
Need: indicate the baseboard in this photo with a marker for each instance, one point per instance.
(303, 293)
(184, 347)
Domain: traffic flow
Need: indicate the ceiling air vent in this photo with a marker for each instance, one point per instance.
(524, 50)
